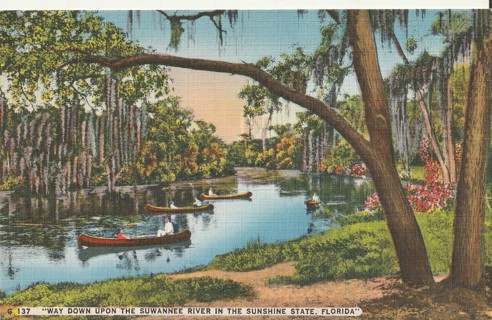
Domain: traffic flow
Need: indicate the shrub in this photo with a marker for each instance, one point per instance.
(429, 196)
(437, 231)
(10, 183)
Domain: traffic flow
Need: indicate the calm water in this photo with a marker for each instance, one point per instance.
(38, 236)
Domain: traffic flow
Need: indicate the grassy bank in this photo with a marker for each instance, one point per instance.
(143, 291)
(360, 248)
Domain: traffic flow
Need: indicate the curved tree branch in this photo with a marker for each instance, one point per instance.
(324, 111)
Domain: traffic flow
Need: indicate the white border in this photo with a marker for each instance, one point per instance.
(242, 5)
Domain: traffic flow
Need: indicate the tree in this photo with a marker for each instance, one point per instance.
(82, 120)
(406, 235)
(259, 102)
(467, 266)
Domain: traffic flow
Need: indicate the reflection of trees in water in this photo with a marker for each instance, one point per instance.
(56, 255)
(11, 269)
(56, 208)
(181, 220)
(206, 218)
(37, 235)
(128, 261)
(152, 255)
(330, 188)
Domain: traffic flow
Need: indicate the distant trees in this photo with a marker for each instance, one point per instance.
(67, 125)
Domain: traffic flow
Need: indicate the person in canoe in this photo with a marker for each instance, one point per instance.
(315, 198)
(168, 228)
(120, 235)
(211, 192)
(172, 206)
(197, 203)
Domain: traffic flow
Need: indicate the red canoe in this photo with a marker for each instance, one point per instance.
(242, 195)
(88, 241)
(208, 207)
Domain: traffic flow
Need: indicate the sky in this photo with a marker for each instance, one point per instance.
(213, 96)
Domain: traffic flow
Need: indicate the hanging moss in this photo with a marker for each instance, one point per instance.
(176, 33)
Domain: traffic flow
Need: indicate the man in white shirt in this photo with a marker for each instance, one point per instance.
(168, 228)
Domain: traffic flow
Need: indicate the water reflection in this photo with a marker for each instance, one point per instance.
(39, 243)
(150, 252)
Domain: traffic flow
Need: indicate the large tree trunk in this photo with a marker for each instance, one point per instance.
(405, 232)
(467, 265)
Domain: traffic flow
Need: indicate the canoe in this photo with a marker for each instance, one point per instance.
(311, 204)
(208, 207)
(241, 195)
(88, 241)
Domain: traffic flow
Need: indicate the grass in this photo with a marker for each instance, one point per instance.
(156, 290)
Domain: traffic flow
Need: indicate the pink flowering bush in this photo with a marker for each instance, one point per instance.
(358, 171)
(372, 203)
(433, 194)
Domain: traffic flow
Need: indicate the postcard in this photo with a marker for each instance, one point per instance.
(260, 163)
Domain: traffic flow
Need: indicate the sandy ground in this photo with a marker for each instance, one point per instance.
(379, 298)
(347, 293)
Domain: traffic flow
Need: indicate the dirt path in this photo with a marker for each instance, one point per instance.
(347, 293)
(338, 293)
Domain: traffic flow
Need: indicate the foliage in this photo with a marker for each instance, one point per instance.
(255, 256)
(67, 124)
(10, 183)
(344, 155)
(437, 232)
(411, 45)
(362, 216)
(146, 291)
(428, 197)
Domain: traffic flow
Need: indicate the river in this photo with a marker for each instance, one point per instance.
(38, 235)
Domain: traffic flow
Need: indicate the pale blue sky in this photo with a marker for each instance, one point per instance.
(257, 34)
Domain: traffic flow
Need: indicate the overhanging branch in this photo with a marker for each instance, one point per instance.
(325, 112)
